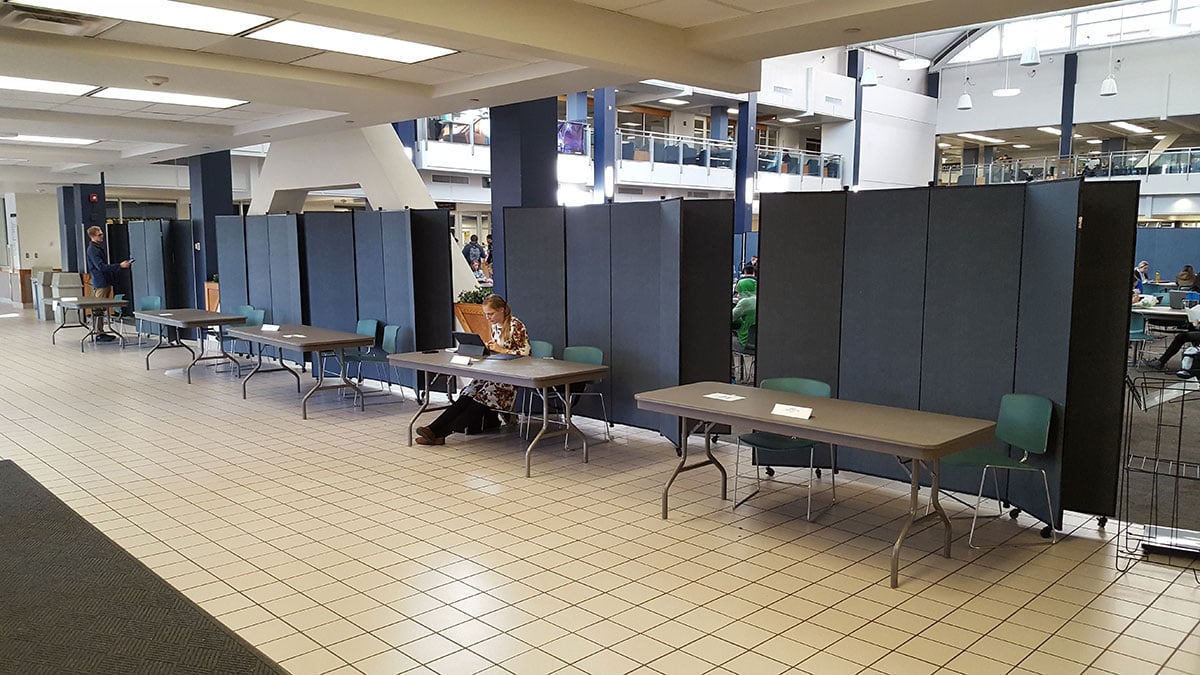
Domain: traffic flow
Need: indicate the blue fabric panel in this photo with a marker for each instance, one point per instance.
(231, 261)
(258, 266)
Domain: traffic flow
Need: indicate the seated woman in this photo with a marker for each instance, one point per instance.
(1186, 280)
(475, 408)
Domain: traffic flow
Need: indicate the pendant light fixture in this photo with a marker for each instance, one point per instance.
(1108, 87)
(1030, 56)
(869, 77)
(1007, 91)
(964, 100)
(917, 62)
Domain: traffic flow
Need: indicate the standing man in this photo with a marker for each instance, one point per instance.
(101, 273)
(473, 251)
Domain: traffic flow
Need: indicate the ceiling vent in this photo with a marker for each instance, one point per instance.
(50, 21)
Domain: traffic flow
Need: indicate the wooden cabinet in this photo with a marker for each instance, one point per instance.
(470, 317)
(212, 296)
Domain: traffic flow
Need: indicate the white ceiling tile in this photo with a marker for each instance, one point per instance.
(26, 105)
(170, 109)
(157, 116)
(108, 104)
(85, 109)
(418, 74)
(472, 63)
(345, 63)
(614, 5)
(762, 5)
(684, 13)
(7, 96)
(260, 50)
(161, 36)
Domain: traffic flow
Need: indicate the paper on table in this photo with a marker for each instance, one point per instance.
(295, 335)
(1193, 314)
(166, 314)
(269, 328)
(460, 360)
(724, 397)
(792, 411)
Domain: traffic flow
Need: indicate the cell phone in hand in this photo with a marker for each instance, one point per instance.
(131, 260)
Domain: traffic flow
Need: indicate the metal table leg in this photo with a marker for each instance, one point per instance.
(684, 432)
(935, 469)
(258, 368)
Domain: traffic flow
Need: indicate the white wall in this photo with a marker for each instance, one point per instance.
(898, 138)
(1154, 79)
(889, 74)
(37, 227)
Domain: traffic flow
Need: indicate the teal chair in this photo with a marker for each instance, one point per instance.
(388, 345)
(593, 356)
(254, 318)
(147, 303)
(1024, 424)
(538, 349)
(1138, 337)
(768, 448)
(118, 315)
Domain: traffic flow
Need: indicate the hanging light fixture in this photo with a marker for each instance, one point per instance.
(917, 62)
(869, 77)
(1030, 56)
(1007, 91)
(964, 100)
(1108, 87)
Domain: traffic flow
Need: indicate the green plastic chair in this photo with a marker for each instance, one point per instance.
(117, 314)
(1024, 424)
(147, 303)
(1138, 337)
(765, 445)
(593, 356)
(540, 349)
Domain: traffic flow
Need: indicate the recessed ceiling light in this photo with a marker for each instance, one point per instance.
(673, 101)
(1051, 130)
(1160, 137)
(943, 145)
(166, 97)
(1094, 141)
(348, 42)
(731, 111)
(985, 139)
(1006, 92)
(1020, 146)
(1077, 136)
(631, 124)
(44, 86)
(1127, 126)
(161, 13)
(788, 120)
(21, 138)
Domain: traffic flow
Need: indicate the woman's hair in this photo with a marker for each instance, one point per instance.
(497, 303)
(1187, 268)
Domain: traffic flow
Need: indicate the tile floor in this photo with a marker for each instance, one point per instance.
(335, 548)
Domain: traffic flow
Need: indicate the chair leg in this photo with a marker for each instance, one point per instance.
(978, 501)
(1049, 509)
(608, 422)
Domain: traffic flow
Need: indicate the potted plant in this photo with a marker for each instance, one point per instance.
(469, 312)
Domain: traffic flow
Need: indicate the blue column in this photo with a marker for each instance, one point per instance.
(524, 166)
(718, 123)
(210, 185)
(746, 166)
(577, 107)
(604, 130)
(407, 131)
(854, 69)
(1067, 120)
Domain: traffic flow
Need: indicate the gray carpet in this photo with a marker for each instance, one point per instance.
(74, 602)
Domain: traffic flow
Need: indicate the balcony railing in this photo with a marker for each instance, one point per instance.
(1105, 165)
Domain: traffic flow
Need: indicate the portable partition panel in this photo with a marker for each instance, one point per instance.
(589, 315)
(368, 265)
(117, 239)
(800, 285)
(535, 260)
(179, 264)
(231, 261)
(138, 279)
(883, 299)
(258, 266)
(329, 276)
(707, 240)
(147, 245)
(432, 283)
(286, 252)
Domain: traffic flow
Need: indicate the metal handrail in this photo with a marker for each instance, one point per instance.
(1145, 163)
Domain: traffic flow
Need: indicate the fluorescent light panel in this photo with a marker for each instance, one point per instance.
(673, 101)
(1094, 141)
(160, 13)
(943, 145)
(22, 138)
(1020, 146)
(788, 120)
(348, 42)
(1127, 126)
(985, 139)
(44, 86)
(1051, 130)
(166, 97)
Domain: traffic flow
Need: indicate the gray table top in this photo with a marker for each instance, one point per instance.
(894, 431)
(1159, 310)
(301, 337)
(189, 318)
(521, 372)
(84, 302)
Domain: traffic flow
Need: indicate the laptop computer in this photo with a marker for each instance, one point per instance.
(1176, 298)
(470, 344)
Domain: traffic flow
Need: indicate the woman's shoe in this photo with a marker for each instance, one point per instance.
(421, 440)
(426, 433)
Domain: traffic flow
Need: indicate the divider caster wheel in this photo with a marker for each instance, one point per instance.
(1014, 513)
(770, 471)
(818, 473)
(1005, 504)
(1046, 532)
(1102, 521)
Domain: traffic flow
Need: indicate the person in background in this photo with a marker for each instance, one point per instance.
(745, 320)
(748, 272)
(480, 275)
(475, 408)
(1186, 280)
(1141, 273)
(1192, 336)
(102, 274)
(473, 251)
